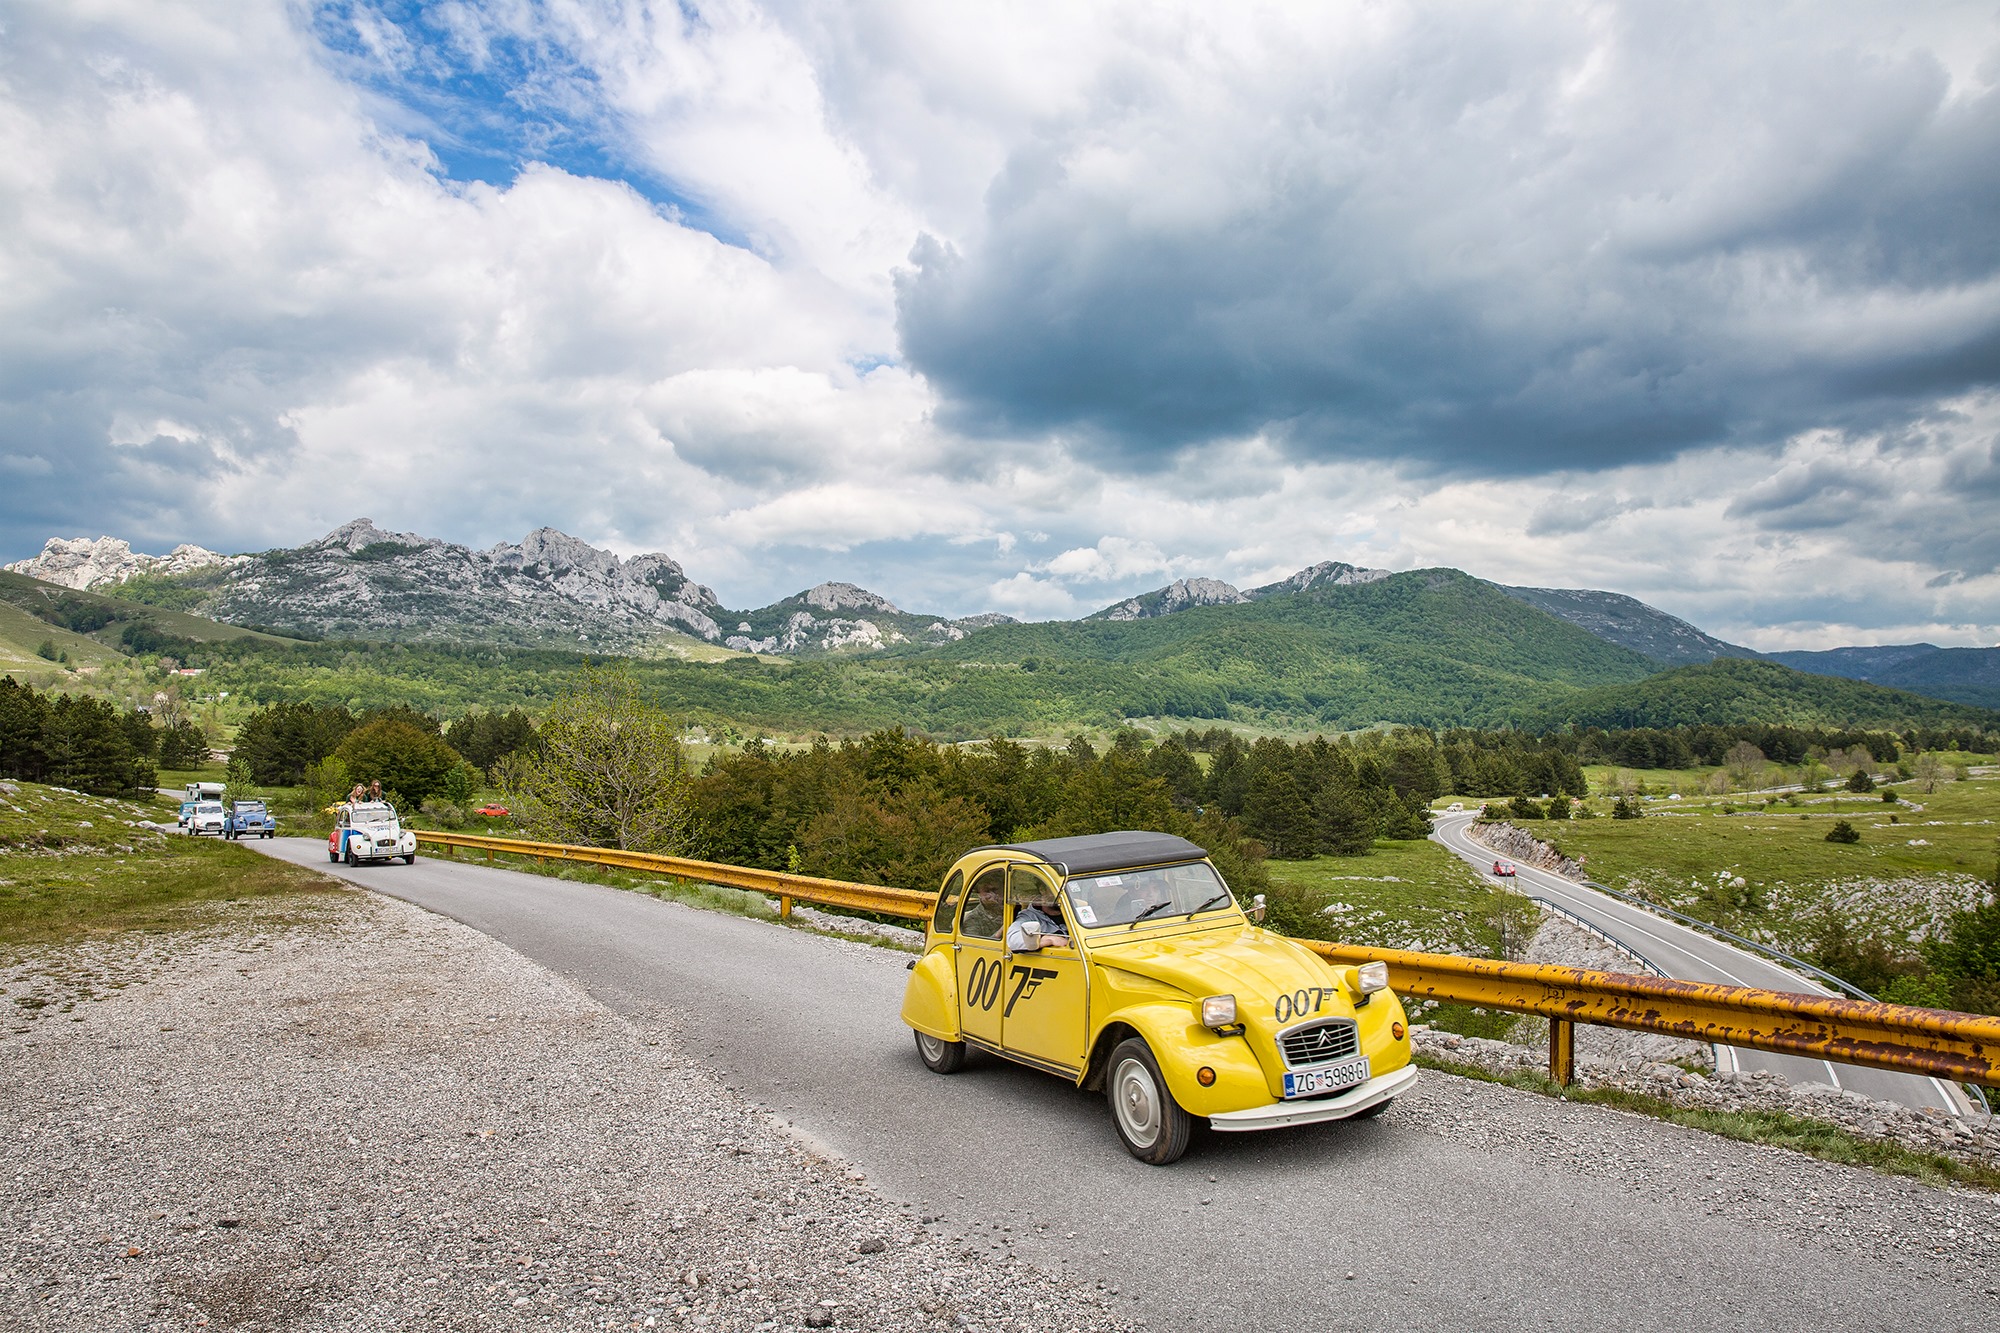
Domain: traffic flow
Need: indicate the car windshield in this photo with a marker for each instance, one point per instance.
(249, 807)
(373, 814)
(210, 808)
(1126, 896)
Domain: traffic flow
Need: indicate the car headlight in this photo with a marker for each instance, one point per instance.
(1218, 1011)
(1371, 977)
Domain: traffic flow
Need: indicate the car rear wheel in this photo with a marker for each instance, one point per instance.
(410, 860)
(1151, 1123)
(940, 1056)
(332, 855)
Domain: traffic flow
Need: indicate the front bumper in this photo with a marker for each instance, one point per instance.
(1356, 1099)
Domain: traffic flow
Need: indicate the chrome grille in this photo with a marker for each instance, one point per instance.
(1320, 1043)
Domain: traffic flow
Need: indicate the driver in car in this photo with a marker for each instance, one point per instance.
(1037, 925)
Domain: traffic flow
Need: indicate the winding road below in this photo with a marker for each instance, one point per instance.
(1468, 1205)
(1688, 955)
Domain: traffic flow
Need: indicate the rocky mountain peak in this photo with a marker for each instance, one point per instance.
(1176, 596)
(1325, 574)
(84, 562)
(361, 533)
(847, 597)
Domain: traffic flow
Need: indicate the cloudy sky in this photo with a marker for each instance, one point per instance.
(1028, 307)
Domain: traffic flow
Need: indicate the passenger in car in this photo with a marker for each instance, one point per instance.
(1041, 919)
(982, 909)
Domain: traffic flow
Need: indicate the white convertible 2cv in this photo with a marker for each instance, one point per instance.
(370, 831)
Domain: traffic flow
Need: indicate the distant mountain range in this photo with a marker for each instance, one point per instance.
(549, 590)
(1968, 675)
(552, 590)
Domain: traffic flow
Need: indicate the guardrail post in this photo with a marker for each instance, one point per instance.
(785, 906)
(1562, 1052)
(489, 856)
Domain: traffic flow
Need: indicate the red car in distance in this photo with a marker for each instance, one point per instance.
(1504, 869)
(492, 811)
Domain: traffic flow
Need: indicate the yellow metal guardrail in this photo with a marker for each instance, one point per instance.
(1959, 1047)
(784, 887)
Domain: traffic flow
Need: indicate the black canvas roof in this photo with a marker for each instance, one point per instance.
(1110, 851)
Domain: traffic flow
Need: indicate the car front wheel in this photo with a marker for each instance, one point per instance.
(352, 859)
(940, 1056)
(410, 860)
(1152, 1124)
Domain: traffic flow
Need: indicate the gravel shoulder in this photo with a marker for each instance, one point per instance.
(359, 1115)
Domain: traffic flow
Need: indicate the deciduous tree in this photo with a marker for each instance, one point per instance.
(610, 771)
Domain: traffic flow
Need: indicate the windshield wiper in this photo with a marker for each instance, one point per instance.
(1218, 898)
(1156, 907)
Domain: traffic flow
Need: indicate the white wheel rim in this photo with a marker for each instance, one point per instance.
(1136, 1101)
(932, 1048)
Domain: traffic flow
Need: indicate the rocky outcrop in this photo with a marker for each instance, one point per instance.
(1176, 596)
(1325, 574)
(83, 563)
(1182, 594)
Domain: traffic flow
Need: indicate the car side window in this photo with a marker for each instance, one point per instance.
(1024, 886)
(947, 903)
(983, 918)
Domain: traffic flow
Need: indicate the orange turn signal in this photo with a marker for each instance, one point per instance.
(1396, 1031)
(1205, 1076)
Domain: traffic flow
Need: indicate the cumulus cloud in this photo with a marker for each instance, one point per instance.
(1529, 237)
(1027, 310)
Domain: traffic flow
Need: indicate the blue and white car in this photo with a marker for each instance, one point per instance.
(370, 831)
(249, 819)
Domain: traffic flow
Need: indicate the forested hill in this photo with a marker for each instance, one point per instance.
(1734, 691)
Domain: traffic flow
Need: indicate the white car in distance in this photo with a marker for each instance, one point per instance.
(207, 817)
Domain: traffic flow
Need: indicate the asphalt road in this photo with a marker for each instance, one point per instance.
(1689, 955)
(1466, 1206)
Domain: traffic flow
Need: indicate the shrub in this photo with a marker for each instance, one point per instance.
(1625, 808)
(1889, 796)
(1861, 781)
(1842, 831)
(404, 757)
(446, 814)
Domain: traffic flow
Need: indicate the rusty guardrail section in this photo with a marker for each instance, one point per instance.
(1959, 1047)
(784, 887)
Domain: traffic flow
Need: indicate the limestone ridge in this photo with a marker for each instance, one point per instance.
(1182, 594)
(83, 563)
(549, 589)
(835, 617)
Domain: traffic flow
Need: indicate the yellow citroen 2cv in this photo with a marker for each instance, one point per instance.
(1122, 962)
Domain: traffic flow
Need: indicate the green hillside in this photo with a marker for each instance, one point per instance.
(1430, 647)
(1730, 691)
(94, 627)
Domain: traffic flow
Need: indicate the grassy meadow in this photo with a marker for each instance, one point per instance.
(75, 866)
(1762, 866)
